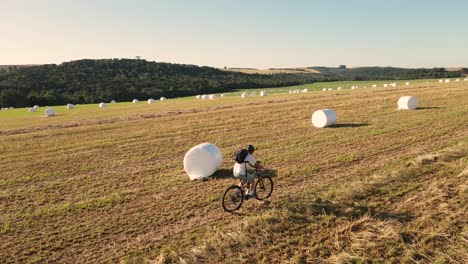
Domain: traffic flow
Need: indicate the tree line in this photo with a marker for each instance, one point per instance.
(93, 81)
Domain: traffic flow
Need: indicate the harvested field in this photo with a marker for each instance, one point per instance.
(99, 185)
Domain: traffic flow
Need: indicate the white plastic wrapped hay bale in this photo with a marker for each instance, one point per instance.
(31, 110)
(408, 103)
(202, 161)
(151, 101)
(305, 90)
(135, 101)
(457, 80)
(441, 81)
(49, 112)
(222, 95)
(102, 105)
(263, 93)
(323, 118)
(353, 87)
(385, 85)
(393, 84)
(162, 98)
(70, 106)
(330, 89)
(407, 83)
(447, 80)
(339, 88)
(244, 95)
(374, 85)
(212, 96)
(324, 89)
(198, 96)
(36, 107)
(290, 91)
(203, 97)
(113, 102)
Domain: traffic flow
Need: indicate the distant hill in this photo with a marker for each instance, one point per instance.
(92, 81)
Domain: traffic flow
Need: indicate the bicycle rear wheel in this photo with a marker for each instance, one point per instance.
(263, 187)
(232, 199)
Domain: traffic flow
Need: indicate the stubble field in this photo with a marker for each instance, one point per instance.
(98, 185)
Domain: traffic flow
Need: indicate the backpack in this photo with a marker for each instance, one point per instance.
(239, 155)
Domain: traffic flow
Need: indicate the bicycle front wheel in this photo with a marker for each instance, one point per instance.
(263, 187)
(232, 199)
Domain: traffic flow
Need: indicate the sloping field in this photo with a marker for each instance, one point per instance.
(274, 71)
(99, 185)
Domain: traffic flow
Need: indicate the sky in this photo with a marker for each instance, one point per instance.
(238, 33)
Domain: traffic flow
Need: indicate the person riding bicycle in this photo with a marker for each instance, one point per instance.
(240, 169)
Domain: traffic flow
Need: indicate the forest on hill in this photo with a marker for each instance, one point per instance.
(92, 81)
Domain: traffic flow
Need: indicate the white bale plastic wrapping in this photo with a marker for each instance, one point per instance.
(222, 95)
(113, 102)
(162, 98)
(31, 110)
(340, 88)
(135, 101)
(203, 97)
(408, 103)
(407, 83)
(324, 89)
(102, 105)
(244, 95)
(151, 101)
(441, 81)
(457, 80)
(49, 112)
(323, 118)
(330, 89)
(212, 96)
(385, 85)
(202, 161)
(263, 93)
(70, 106)
(374, 85)
(305, 90)
(353, 87)
(36, 107)
(447, 80)
(198, 96)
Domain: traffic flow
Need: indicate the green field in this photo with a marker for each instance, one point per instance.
(107, 185)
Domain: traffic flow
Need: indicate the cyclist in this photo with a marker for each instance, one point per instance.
(240, 169)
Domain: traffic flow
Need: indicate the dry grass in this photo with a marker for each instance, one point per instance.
(274, 71)
(99, 186)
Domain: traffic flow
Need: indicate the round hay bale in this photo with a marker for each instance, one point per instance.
(202, 161)
(263, 93)
(36, 107)
(102, 105)
(212, 96)
(113, 102)
(408, 103)
(339, 88)
(447, 80)
(135, 101)
(457, 80)
(323, 118)
(324, 89)
(407, 83)
(244, 95)
(374, 85)
(70, 106)
(222, 95)
(31, 110)
(441, 81)
(290, 91)
(49, 112)
(385, 85)
(330, 89)
(305, 90)
(203, 97)
(151, 101)
(198, 96)
(162, 98)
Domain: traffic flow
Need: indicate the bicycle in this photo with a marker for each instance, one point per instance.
(235, 195)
